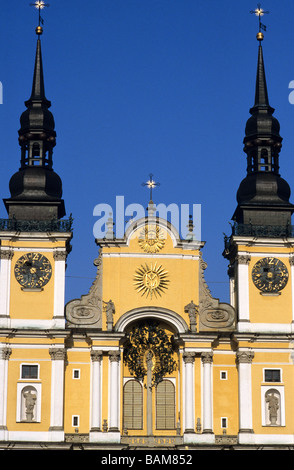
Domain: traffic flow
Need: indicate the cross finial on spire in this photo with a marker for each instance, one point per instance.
(40, 5)
(259, 12)
(151, 184)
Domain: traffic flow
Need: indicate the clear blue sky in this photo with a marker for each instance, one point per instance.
(140, 86)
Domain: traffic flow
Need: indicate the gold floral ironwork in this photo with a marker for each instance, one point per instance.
(149, 345)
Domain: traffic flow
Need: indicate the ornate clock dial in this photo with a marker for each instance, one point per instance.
(33, 270)
(270, 275)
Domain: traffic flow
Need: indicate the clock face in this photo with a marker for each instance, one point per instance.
(270, 275)
(33, 270)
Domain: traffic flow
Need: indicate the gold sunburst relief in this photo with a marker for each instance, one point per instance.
(151, 280)
(151, 239)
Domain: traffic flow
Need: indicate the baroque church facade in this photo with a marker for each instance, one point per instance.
(147, 358)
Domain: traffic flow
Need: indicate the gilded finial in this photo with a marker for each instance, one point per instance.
(151, 185)
(39, 4)
(260, 12)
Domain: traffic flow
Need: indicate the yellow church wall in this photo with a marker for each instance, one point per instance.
(77, 391)
(270, 308)
(272, 359)
(225, 391)
(118, 284)
(31, 356)
(29, 305)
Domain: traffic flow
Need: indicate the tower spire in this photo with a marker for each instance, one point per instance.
(263, 196)
(36, 189)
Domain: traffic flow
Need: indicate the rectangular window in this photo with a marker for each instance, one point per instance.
(29, 371)
(224, 423)
(223, 375)
(272, 375)
(76, 374)
(75, 421)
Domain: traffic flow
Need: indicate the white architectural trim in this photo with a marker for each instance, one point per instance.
(189, 393)
(292, 288)
(163, 314)
(281, 390)
(5, 275)
(59, 288)
(152, 256)
(4, 357)
(207, 392)
(96, 391)
(266, 439)
(243, 292)
(57, 388)
(20, 404)
(35, 436)
(267, 328)
(114, 391)
(55, 324)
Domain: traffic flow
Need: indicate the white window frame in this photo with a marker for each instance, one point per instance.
(226, 420)
(29, 364)
(72, 421)
(20, 387)
(281, 390)
(272, 368)
(223, 372)
(73, 374)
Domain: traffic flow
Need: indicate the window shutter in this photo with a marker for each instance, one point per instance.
(133, 405)
(165, 405)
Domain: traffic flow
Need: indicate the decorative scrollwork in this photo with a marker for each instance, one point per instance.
(145, 337)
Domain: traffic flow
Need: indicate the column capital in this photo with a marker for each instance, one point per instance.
(57, 354)
(243, 259)
(5, 353)
(207, 357)
(244, 357)
(6, 253)
(188, 357)
(114, 356)
(60, 255)
(96, 356)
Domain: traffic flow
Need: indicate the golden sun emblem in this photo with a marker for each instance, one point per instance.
(151, 239)
(151, 280)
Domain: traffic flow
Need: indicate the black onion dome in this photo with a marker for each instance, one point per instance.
(263, 188)
(35, 183)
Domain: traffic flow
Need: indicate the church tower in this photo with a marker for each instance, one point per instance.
(260, 251)
(34, 244)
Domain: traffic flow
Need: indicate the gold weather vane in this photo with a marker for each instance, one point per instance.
(151, 184)
(40, 5)
(259, 12)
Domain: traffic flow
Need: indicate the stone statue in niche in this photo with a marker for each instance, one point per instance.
(110, 311)
(30, 402)
(273, 407)
(192, 309)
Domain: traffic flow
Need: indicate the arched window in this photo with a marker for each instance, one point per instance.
(133, 405)
(165, 405)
